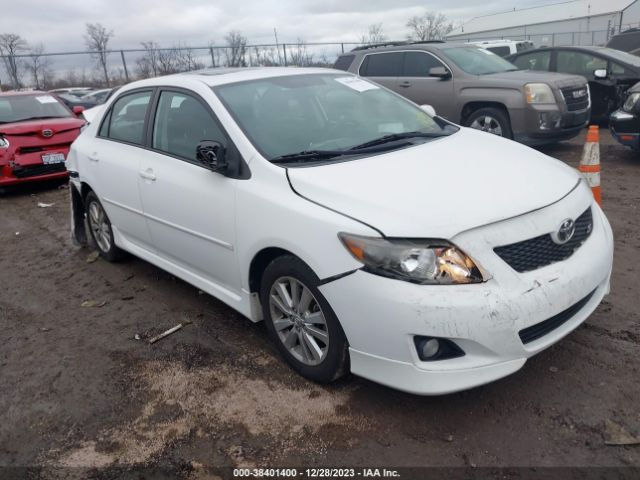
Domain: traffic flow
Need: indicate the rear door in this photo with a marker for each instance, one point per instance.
(190, 210)
(113, 162)
(416, 84)
(383, 68)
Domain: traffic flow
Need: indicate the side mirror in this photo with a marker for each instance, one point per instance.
(601, 73)
(429, 109)
(78, 109)
(439, 72)
(211, 155)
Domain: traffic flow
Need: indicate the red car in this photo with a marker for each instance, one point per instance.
(36, 131)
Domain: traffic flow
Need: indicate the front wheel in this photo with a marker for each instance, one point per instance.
(490, 120)
(301, 322)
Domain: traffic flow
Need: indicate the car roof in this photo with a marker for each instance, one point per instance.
(435, 45)
(221, 76)
(13, 93)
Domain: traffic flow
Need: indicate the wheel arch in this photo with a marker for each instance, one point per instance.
(473, 106)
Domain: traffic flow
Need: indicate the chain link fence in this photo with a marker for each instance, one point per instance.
(81, 68)
(73, 69)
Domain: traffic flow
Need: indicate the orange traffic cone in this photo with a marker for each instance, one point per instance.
(590, 163)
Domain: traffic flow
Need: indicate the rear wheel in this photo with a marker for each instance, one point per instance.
(491, 120)
(301, 322)
(100, 228)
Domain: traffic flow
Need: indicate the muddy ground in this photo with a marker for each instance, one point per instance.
(79, 395)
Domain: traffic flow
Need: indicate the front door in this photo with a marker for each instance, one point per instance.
(190, 210)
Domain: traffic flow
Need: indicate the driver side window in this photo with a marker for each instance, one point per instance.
(181, 123)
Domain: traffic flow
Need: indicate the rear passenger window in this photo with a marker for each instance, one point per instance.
(418, 64)
(382, 65)
(126, 119)
(181, 123)
(533, 61)
(344, 62)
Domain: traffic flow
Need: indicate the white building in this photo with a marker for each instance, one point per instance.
(576, 22)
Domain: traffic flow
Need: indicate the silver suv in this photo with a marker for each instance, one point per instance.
(474, 87)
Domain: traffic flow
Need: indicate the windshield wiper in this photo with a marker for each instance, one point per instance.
(398, 136)
(309, 155)
(43, 117)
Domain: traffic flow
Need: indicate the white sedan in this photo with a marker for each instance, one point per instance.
(368, 234)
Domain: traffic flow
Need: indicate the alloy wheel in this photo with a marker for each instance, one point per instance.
(99, 226)
(298, 320)
(487, 123)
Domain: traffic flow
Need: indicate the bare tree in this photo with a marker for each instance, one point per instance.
(300, 55)
(430, 26)
(97, 42)
(236, 49)
(12, 45)
(38, 66)
(373, 35)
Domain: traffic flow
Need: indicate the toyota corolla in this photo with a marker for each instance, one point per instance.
(370, 235)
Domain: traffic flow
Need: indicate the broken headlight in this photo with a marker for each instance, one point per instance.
(417, 261)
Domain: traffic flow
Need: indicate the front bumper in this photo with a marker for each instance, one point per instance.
(381, 316)
(625, 128)
(544, 124)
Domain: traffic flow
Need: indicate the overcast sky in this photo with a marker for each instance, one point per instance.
(60, 24)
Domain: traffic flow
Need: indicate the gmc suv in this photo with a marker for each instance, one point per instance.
(476, 88)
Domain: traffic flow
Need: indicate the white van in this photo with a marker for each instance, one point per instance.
(504, 48)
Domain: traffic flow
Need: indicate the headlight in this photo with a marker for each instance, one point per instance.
(417, 261)
(4, 143)
(539, 93)
(630, 102)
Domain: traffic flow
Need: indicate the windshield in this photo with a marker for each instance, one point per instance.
(621, 56)
(19, 108)
(298, 113)
(478, 61)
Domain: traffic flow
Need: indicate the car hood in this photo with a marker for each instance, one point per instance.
(523, 77)
(56, 125)
(439, 188)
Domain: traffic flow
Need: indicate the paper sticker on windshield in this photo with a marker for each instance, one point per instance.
(357, 84)
(46, 99)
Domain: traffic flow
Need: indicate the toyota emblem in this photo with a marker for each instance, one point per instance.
(565, 232)
(47, 133)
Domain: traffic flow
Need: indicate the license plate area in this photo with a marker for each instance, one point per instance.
(52, 158)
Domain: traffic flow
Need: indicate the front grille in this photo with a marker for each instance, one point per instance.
(31, 149)
(35, 170)
(574, 104)
(539, 330)
(542, 251)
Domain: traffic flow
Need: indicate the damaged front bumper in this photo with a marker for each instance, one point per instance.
(381, 316)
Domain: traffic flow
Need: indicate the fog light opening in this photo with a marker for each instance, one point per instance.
(430, 348)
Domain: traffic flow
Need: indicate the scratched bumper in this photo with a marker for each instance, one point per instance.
(380, 316)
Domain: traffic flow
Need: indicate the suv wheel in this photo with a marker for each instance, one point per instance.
(301, 322)
(492, 120)
(100, 228)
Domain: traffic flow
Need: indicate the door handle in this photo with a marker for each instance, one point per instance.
(94, 157)
(147, 174)
(405, 84)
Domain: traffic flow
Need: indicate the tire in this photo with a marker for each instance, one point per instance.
(100, 228)
(300, 334)
(492, 120)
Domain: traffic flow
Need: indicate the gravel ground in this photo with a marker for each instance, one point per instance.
(81, 396)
